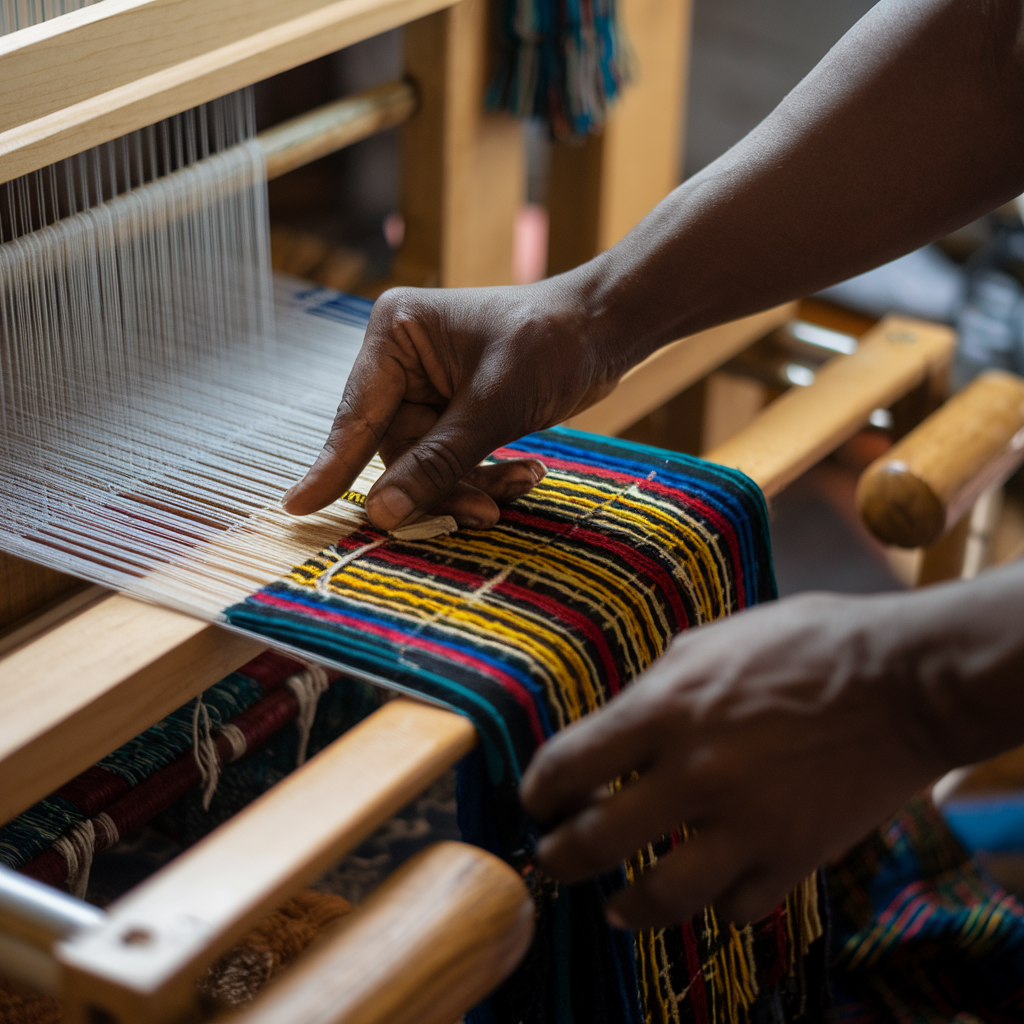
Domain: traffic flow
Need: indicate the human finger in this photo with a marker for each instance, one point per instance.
(506, 481)
(372, 396)
(755, 896)
(612, 828)
(470, 507)
(692, 876)
(427, 472)
(620, 738)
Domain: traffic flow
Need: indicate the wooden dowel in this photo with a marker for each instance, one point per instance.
(141, 963)
(440, 934)
(335, 125)
(926, 482)
(806, 424)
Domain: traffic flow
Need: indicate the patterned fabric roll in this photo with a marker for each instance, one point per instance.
(529, 626)
(921, 933)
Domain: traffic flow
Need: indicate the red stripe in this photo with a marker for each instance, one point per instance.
(639, 562)
(524, 595)
(508, 683)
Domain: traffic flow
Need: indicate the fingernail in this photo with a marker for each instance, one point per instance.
(471, 523)
(288, 495)
(396, 505)
(539, 470)
(615, 919)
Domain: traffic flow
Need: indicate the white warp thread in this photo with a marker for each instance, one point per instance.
(77, 848)
(308, 687)
(204, 750)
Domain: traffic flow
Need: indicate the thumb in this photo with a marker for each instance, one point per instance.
(427, 472)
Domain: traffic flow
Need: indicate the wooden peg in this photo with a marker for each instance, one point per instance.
(806, 424)
(926, 483)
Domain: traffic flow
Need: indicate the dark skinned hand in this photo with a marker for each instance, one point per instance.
(781, 736)
(444, 377)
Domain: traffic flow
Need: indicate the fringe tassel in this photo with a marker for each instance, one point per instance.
(560, 60)
(204, 750)
(308, 687)
(77, 848)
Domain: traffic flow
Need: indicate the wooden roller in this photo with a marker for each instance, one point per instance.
(925, 483)
(437, 937)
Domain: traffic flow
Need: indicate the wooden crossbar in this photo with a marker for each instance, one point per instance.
(141, 962)
(134, 663)
(93, 75)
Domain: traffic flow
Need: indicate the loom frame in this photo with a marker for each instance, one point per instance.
(138, 662)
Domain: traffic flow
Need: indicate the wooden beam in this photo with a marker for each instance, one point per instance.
(438, 936)
(111, 68)
(93, 681)
(675, 367)
(140, 964)
(463, 169)
(134, 662)
(806, 424)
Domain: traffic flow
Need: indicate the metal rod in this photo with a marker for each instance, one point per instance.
(38, 908)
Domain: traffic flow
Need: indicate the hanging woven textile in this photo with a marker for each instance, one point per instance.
(562, 61)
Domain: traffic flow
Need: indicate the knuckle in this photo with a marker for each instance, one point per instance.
(438, 463)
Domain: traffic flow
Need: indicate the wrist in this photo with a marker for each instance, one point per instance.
(958, 654)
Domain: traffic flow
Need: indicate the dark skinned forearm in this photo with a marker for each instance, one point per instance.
(912, 126)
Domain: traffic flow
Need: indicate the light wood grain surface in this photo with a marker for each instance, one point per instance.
(926, 482)
(93, 681)
(96, 74)
(806, 424)
(438, 936)
(180, 919)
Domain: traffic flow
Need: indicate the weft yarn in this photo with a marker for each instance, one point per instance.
(527, 627)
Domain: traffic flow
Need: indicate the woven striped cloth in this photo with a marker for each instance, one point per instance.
(529, 626)
(921, 934)
(159, 772)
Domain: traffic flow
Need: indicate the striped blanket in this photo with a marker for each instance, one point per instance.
(527, 627)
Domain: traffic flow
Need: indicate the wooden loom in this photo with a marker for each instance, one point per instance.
(450, 926)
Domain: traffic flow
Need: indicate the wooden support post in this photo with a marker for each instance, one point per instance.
(601, 187)
(463, 173)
